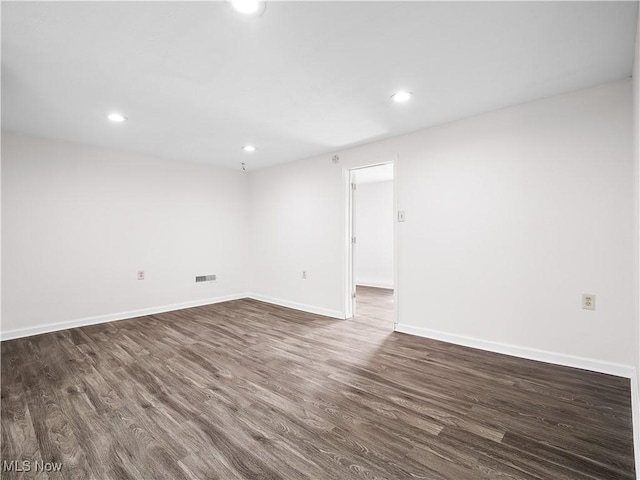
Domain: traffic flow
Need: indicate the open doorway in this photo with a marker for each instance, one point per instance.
(372, 244)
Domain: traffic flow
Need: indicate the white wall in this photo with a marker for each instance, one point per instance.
(636, 241)
(295, 225)
(79, 222)
(299, 222)
(511, 216)
(373, 265)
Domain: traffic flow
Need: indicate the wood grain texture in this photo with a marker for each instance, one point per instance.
(247, 390)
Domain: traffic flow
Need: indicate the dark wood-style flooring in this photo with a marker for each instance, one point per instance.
(247, 390)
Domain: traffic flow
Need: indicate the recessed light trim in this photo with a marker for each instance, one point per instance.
(249, 8)
(401, 96)
(248, 148)
(116, 117)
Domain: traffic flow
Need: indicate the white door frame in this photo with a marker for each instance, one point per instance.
(350, 283)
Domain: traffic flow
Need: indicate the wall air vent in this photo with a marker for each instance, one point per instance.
(205, 278)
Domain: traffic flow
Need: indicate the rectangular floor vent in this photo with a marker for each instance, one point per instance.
(205, 278)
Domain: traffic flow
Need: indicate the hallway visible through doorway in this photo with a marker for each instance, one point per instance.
(372, 241)
(375, 306)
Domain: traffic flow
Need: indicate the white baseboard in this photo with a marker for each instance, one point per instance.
(82, 322)
(388, 286)
(610, 368)
(298, 306)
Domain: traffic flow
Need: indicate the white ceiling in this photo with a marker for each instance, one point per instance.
(197, 81)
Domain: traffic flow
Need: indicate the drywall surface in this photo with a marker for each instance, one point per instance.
(299, 223)
(79, 223)
(635, 397)
(373, 252)
(636, 181)
(510, 217)
(296, 219)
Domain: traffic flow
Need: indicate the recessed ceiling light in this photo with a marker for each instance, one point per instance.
(248, 7)
(116, 117)
(401, 96)
(249, 148)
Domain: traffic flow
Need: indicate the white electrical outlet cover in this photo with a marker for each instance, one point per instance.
(588, 301)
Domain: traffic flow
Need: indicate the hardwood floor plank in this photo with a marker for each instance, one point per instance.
(55, 438)
(18, 437)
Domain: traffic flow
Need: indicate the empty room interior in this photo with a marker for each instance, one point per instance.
(320, 240)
